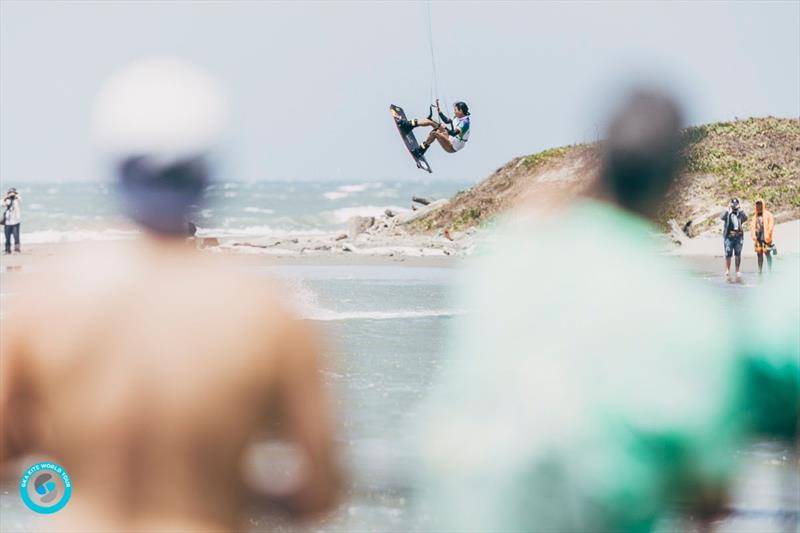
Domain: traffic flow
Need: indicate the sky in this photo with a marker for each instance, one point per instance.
(310, 83)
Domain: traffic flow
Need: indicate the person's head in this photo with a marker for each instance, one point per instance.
(734, 204)
(460, 109)
(759, 206)
(156, 121)
(642, 152)
(12, 192)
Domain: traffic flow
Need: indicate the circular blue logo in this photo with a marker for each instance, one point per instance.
(45, 488)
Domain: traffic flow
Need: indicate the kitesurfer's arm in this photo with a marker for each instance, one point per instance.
(442, 116)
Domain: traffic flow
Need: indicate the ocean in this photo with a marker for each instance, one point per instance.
(385, 327)
(78, 211)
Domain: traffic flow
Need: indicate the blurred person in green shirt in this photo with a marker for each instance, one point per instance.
(592, 393)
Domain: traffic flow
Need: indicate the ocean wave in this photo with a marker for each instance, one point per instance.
(259, 231)
(335, 195)
(305, 303)
(341, 216)
(261, 210)
(387, 193)
(343, 191)
(326, 315)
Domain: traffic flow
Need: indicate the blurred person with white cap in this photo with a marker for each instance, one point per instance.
(148, 370)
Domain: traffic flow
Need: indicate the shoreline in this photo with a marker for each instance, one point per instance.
(40, 254)
(703, 253)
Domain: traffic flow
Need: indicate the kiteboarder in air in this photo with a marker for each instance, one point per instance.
(452, 134)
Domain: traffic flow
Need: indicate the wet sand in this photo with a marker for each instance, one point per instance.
(383, 373)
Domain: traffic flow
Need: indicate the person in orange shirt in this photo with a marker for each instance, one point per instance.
(761, 231)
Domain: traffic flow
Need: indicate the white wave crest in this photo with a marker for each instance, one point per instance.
(325, 315)
(335, 195)
(344, 191)
(305, 303)
(261, 210)
(341, 216)
(249, 231)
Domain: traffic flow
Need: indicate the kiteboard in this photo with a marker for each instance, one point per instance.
(408, 137)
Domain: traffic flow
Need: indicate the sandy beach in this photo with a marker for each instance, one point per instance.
(703, 253)
(385, 318)
(786, 238)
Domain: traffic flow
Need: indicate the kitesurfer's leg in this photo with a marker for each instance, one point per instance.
(424, 122)
(408, 125)
(438, 134)
(444, 141)
(423, 147)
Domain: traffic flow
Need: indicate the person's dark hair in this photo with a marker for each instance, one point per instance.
(642, 152)
(462, 106)
(160, 196)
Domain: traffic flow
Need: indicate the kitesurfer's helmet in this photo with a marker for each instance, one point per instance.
(462, 106)
(155, 123)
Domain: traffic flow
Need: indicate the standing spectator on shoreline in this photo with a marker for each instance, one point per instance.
(12, 215)
(733, 236)
(761, 232)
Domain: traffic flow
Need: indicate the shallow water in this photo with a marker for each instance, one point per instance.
(79, 211)
(386, 328)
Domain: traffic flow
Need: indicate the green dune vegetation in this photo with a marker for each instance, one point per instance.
(743, 158)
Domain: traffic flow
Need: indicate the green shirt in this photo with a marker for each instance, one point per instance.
(588, 384)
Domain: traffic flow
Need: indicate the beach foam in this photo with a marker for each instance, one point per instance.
(305, 303)
(253, 231)
(260, 210)
(344, 191)
(326, 315)
(341, 216)
(335, 195)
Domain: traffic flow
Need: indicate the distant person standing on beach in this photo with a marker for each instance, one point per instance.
(733, 220)
(149, 370)
(761, 229)
(12, 216)
(575, 401)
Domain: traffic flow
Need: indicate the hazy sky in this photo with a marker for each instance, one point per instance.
(311, 82)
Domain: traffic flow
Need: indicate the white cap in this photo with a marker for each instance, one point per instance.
(161, 107)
